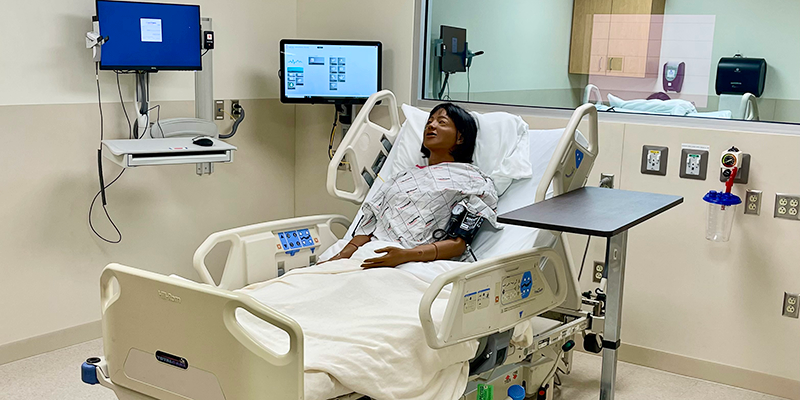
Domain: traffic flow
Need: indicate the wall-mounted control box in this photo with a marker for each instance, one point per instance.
(694, 164)
(654, 160)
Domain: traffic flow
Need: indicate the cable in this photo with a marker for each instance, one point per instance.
(158, 119)
(585, 251)
(122, 102)
(235, 124)
(91, 207)
(103, 187)
(445, 84)
(333, 133)
(204, 53)
(473, 254)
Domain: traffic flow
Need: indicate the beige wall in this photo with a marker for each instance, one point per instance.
(51, 261)
(45, 60)
(686, 296)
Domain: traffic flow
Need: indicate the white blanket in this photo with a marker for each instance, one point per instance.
(362, 328)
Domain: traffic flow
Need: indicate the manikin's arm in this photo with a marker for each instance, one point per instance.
(441, 250)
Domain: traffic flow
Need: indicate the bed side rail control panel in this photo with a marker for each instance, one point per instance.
(366, 147)
(491, 296)
(264, 251)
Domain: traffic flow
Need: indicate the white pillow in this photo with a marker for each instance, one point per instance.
(671, 107)
(501, 148)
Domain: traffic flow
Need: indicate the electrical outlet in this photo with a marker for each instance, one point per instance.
(694, 164)
(607, 181)
(752, 202)
(787, 206)
(791, 305)
(219, 109)
(597, 272)
(235, 110)
(654, 160)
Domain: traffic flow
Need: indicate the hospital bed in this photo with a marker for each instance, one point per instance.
(731, 106)
(166, 337)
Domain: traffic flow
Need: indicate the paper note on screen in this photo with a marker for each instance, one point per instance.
(151, 30)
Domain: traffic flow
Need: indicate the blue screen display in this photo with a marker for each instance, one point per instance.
(149, 36)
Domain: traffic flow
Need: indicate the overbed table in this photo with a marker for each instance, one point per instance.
(608, 213)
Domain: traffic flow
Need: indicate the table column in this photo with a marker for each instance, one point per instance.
(615, 270)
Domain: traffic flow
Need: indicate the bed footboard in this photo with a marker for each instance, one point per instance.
(173, 339)
(492, 295)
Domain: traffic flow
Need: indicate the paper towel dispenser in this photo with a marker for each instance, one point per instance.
(739, 75)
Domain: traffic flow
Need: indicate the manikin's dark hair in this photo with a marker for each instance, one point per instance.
(466, 127)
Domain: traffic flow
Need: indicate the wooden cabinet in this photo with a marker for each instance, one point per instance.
(615, 37)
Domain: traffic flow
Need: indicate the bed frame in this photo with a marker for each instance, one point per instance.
(170, 338)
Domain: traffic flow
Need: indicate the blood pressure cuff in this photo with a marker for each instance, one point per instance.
(463, 224)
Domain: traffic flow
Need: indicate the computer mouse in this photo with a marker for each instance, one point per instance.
(203, 141)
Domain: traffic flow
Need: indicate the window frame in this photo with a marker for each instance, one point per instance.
(422, 20)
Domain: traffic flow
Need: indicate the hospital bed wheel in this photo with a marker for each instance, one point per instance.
(593, 343)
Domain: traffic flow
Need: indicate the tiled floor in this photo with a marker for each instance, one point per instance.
(56, 375)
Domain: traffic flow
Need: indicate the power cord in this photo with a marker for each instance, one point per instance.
(445, 85)
(236, 123)
(124, 110)
(333, 134)
(103, 187)
(585, 251)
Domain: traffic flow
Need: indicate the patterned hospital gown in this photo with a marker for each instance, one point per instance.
(410, 206)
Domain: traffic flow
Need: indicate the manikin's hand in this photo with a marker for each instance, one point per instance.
(346, 252)
(394, 256)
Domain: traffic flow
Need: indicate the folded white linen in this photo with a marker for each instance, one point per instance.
(362, 328)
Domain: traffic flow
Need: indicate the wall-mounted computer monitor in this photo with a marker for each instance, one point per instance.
(149, 36)
(329, 71)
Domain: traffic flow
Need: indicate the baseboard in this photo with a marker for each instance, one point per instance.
(710, 371)
(50, 341)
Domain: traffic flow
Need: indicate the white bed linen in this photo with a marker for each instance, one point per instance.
(362, 328)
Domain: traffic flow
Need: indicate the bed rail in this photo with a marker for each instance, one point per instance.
(258, 253)
(366, 146)
(172, 339)
(492, 295)
(571, 170)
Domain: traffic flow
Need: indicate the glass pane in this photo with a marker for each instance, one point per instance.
(728, 59)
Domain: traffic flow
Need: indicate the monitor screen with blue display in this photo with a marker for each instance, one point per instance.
(149, 36)
(329, 71)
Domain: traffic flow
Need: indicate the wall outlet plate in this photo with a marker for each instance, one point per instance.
(598, 271)
(752, 202)
(219, 109)
(791, 305)
(787, 206)
(694, 164)
(742, 175)
(654, 160)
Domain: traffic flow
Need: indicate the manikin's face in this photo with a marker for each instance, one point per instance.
(441, 135)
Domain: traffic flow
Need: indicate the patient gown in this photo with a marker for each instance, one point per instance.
(413, 204)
